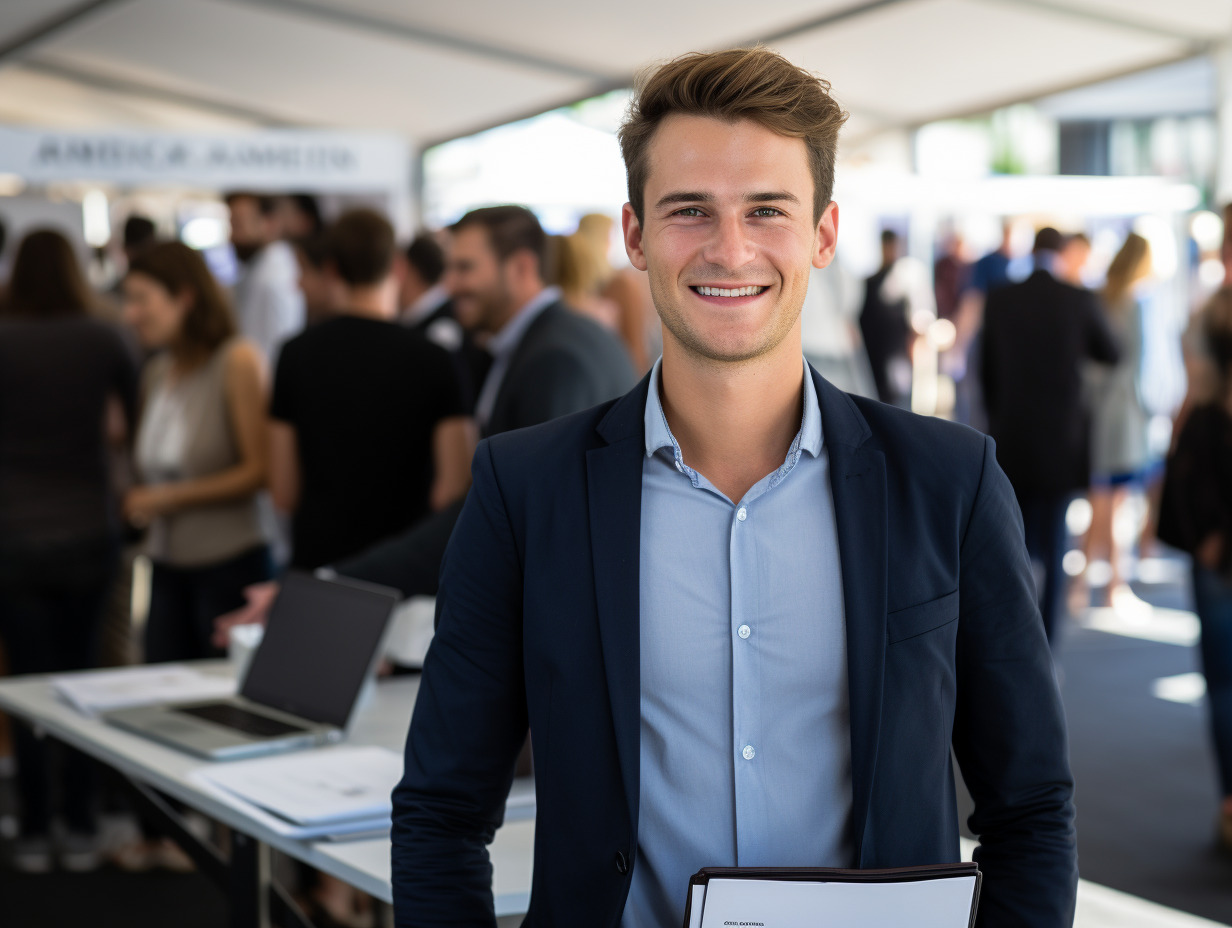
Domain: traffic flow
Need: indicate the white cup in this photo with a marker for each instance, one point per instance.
(241, 646)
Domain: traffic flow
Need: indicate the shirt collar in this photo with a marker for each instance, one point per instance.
(1046, 261)
(504, 342)
(659, 433)
(429, 302)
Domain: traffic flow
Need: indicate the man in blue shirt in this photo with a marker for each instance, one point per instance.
(745, 616)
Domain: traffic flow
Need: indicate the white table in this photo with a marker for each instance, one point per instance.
(364, 864)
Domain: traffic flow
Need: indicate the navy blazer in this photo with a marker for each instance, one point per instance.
(538, 625)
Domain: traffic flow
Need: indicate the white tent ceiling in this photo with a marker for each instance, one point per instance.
(432, 71)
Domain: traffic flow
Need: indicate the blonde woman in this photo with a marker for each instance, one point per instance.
(1120, 454)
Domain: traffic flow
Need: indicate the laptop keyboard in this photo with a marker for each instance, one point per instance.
(250, 723)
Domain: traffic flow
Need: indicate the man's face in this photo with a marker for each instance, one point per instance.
(1074, 257)
(728, 235)
(478, 281)
(250, 230)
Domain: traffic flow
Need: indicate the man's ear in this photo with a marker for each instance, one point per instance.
(827, 235)
(633, 237)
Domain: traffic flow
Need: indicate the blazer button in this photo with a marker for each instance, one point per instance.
(622, 863)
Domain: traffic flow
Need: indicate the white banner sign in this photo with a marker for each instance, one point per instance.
(266, 161)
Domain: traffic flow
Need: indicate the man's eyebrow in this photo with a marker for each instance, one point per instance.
(772, 197)
(683, 196)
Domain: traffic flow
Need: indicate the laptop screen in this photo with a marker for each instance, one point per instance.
(319, 641)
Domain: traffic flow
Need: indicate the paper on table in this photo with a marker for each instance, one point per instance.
(315, 787)
(941, 903)
(281, 826)
(104, 690)
(520, 805)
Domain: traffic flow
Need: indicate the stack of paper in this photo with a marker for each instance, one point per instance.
(311, 794)
(101, 691)
(328, 792)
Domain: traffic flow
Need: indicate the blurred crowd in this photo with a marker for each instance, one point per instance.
(329, 400)
(1054, 371)
(323, 411)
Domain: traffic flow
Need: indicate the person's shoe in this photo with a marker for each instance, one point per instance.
(133, 855)
(166, 854)
(80, 852)
(1127, 604)
(32, 854)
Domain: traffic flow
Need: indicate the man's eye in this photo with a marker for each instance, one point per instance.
(767, 212)
(689, 212)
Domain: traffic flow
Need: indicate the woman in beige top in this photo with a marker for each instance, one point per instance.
(201, 451)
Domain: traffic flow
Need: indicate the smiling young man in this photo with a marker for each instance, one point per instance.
(745, 616)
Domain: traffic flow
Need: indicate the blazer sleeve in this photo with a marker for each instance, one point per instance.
(469, 723)
(409, 562)
(1009, 728)
(556, 384)
(988, 370)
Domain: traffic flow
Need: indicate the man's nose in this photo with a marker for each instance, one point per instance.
(729, 246)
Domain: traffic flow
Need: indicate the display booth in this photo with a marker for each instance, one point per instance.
(86, 182)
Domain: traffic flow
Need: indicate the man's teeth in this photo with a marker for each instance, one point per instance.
(739, 291)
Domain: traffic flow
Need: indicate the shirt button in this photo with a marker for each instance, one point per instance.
(748, 752)
(744, 631)
(742, 513)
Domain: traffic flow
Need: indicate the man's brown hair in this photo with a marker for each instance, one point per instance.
(510, 229)
(361, 247)
(741, 83)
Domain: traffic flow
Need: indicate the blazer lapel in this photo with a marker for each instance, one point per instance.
(614, 485)
(858, 481)
(497, 421)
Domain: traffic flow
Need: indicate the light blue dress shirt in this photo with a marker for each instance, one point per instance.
(745, 733)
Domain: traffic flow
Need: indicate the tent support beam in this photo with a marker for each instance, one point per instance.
(120, 85)
(1193, 51)
(22, 44)
(1098, 17)
(393, 29)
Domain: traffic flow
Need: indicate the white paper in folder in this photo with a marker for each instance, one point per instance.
(944, 898)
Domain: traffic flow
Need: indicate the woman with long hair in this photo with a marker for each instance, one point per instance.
(64, 376)
(201, 451)
(1196, 516)
(1120, 453)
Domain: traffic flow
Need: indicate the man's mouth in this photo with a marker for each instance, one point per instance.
(728, 292)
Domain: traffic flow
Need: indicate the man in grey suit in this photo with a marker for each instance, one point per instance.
(548, 361)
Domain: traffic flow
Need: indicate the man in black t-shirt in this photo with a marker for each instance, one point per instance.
(368, 432)
(428, 308)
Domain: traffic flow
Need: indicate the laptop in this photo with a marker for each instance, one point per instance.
(321, 644)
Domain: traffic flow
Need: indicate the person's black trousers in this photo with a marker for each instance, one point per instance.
(50, 624)
(1043, 521)
(185, 601)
